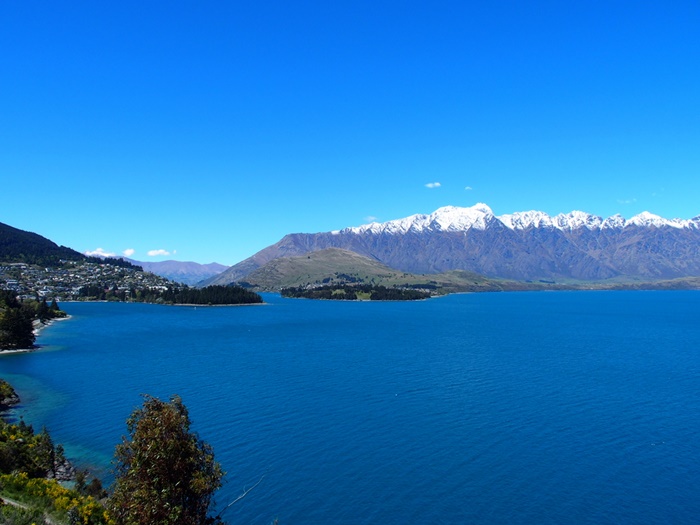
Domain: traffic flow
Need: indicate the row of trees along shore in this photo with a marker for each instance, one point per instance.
(209, 295)
(17, 319)
(164, 475)
(356, 292)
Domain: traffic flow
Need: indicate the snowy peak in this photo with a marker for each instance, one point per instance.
(527, 219)
(447, 218)
(453, 218)
(480, 217)
(616, 221)
(577, 219)
(647, 220)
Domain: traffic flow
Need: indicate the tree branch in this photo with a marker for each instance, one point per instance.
(243, 495)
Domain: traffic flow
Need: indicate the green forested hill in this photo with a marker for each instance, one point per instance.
(19, 246)
(30, 248)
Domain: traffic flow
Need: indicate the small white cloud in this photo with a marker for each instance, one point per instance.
(468, 188)
(370, 218)
(156, 253)
(432, 185)
(99, 252)
(129, 252)
(626, 201)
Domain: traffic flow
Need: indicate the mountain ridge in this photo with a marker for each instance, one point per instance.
(186, 272)
(455, 218)
(335, 266)
(18, 245)
(521, 246)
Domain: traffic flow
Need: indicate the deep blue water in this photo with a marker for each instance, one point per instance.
(535, 408)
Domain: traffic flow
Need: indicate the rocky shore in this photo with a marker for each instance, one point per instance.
(8, 396)
(63, 469)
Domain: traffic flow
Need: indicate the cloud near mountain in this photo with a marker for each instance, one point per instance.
(99, 252)
(156, 253)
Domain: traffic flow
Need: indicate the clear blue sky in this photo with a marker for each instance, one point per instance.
(211, 129)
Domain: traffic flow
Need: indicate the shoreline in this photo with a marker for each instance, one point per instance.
(18, 351)
(211, 305)
(165, 304)
(63, 470)
(38, 328)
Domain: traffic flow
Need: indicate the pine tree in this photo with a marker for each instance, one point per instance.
(42, 312)
(16, 329)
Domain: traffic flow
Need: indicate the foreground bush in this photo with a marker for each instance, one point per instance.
(60, 502)
(165, 474)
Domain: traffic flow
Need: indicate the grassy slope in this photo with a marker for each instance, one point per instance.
(337, 266)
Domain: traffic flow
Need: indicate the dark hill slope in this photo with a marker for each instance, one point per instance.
(30, 248)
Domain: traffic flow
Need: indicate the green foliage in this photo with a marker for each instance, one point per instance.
(24, 451)
(8, 299)
(214, 295)
(209, 295)
(114, 262)
(43, 313)
(17, 320)
(354, 292)
(6, 392)
(94, 488)
(30, 248)
(14, 515)
(16, 328)
(382, 293)
(53, 499)
(26, 460)
(165, 474)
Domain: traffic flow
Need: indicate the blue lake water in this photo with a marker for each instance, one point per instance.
(533, 408)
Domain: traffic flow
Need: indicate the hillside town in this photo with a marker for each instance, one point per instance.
(70, 280)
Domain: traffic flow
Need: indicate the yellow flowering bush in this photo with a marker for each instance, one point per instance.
(55, 497)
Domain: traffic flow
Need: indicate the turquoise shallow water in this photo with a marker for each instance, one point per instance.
(485, 408)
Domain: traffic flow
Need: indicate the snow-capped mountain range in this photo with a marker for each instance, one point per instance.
(480, 216)
(524, 245)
